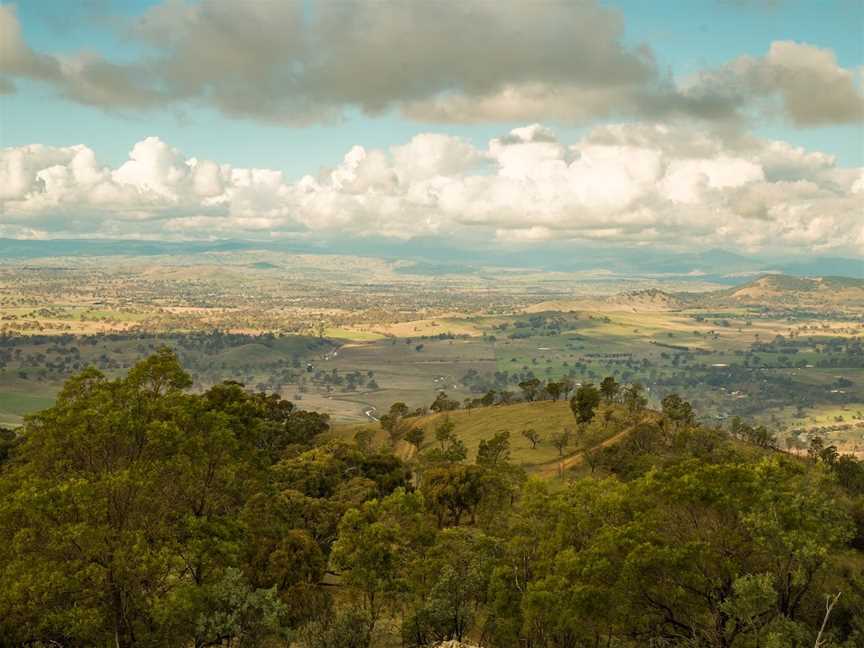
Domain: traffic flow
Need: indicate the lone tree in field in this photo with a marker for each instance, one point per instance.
(533, 437)
(584, 402)
(560, 440)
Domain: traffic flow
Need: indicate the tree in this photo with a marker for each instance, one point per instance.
(135, 512)
(592, 456)
(533, 437)
(278, 554)
(505, 397)
(451, 448)
(634, 400)
(493, 451)
(453, 491)
(443, 404)
(134, 489)
(530, 388)
(393, 421)
(372, 551)
(452, 582)
(677, 410)
(609, 389)
(815, 447)
(763, 437)
(109, 456)
(444, 431)
(728, 520)
(302, 427)
(399, 409)
(8, 441)
(585, 402)
(342, 629)
(759, 435)
(488, 398)
(699, 553)
(363, 439)
(560, 440)
(233, 611)
(829, 455)
(415, 436)
(555, 389)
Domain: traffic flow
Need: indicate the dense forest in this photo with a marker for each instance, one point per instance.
(135, 512)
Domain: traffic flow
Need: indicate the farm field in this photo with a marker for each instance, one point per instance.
(352, 343)
(728, 363)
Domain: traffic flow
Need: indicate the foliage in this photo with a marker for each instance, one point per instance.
(532, 435)
(136, 513)
(171, 516)
(561, 440)
(443, 404)
(494, 451)
(585, 402)
(415, 436)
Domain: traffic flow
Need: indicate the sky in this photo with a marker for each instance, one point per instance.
(734, 124)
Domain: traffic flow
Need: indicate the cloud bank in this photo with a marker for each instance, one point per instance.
(474, 61)
(636, 183)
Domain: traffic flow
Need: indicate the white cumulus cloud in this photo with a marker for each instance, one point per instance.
(621, 183)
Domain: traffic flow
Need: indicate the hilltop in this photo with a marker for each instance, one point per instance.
(649, 299)
(777, 290)
(772, 290)
(640, 300)
(475, 425)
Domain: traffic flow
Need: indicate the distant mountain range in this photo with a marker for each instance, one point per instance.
(434, 256)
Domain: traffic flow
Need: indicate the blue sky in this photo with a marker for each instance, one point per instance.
(439, 100)
(686, 37)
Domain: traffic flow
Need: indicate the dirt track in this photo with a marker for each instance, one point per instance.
(555, 468)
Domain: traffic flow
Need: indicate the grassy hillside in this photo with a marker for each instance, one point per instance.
(475, 425)
(786, 291)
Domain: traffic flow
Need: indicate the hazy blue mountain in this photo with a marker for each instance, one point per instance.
(434, 256)
(824, 266)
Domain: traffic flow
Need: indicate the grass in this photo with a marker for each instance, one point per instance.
(14, 404)
(245, 354)
(352, 335)
(475, 425)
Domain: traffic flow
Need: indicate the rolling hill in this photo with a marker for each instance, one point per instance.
(475, 425)
(784, 291)
(647, 299)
